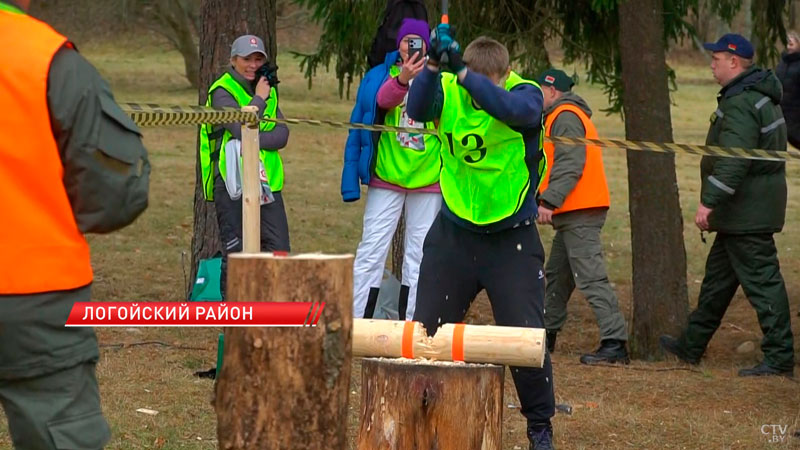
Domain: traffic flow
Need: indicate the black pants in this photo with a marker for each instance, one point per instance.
(274, 226)
(749, 260)
(457, 264)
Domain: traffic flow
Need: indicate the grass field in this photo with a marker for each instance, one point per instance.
(645, 405)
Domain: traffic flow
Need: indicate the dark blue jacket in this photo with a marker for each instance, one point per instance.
(359, 151)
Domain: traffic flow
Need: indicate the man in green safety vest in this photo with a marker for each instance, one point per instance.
(490, 124)
(241, 86)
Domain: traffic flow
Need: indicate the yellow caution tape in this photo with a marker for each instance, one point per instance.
(666, 147)
(151, 115)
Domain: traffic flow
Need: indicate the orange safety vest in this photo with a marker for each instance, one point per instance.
(41, 248)
(592, 189)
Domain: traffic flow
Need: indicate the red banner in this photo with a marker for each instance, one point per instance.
(195, 314)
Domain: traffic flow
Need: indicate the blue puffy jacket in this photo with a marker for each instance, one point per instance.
(359, 151)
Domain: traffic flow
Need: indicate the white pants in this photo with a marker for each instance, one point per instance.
(381, 214)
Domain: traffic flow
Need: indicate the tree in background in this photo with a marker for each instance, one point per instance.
(660, 297)
(179, 22)
(349, 27)
(622, 46)
(222, 22)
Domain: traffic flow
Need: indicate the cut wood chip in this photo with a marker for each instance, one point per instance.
(149, 412)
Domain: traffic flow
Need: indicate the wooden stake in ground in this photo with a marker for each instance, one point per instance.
(287, 388)
(413, 404)
(251, 186)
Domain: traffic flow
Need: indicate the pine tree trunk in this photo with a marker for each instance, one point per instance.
(287, 388)
(222, 21)
(660, 303)
(412, 404)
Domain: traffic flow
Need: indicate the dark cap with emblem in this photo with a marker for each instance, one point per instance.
(556, 78)
(732, 43)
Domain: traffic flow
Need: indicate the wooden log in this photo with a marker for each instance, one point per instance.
(251, 186)
(389, 338)
(287, 388)
(425, 405)
(513, 346)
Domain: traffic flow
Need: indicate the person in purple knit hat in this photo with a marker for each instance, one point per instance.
(401, 171)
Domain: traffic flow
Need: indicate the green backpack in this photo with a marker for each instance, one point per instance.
(206, 289)
(206, 285)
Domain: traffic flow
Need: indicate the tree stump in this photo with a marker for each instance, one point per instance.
(426, 405)
(287, 388)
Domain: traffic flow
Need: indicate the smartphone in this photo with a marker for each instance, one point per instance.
(415, 46)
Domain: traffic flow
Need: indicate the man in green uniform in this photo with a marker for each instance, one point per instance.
(744, 201)
(89, 173)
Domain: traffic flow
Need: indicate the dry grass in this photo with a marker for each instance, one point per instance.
(642, 406)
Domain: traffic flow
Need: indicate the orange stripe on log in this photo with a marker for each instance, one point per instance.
(408, 340)
(457, 351)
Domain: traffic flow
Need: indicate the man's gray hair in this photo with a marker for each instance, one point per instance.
(744, 62)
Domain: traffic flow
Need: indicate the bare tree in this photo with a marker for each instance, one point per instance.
(178, 21)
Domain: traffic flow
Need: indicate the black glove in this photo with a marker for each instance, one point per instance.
(454, 60)
(441, 38)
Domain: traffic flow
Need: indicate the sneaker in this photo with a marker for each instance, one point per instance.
(670, 345)
(763, 370)
(551, 340)
(541, 438)
(611, 351)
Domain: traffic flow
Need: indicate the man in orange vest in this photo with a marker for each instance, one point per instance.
(71, 162)
(574, 200)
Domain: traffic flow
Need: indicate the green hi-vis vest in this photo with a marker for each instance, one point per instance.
(484, 177)
(10, 8)
(410, 166)
(214, 137)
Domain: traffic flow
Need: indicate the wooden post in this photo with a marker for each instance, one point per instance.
(412, 404)
(287, 388)
(251, 186)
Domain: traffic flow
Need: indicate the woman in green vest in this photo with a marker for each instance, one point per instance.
(240, 86)
(403, 173)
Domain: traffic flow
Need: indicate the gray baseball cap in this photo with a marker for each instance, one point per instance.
(247, 45)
